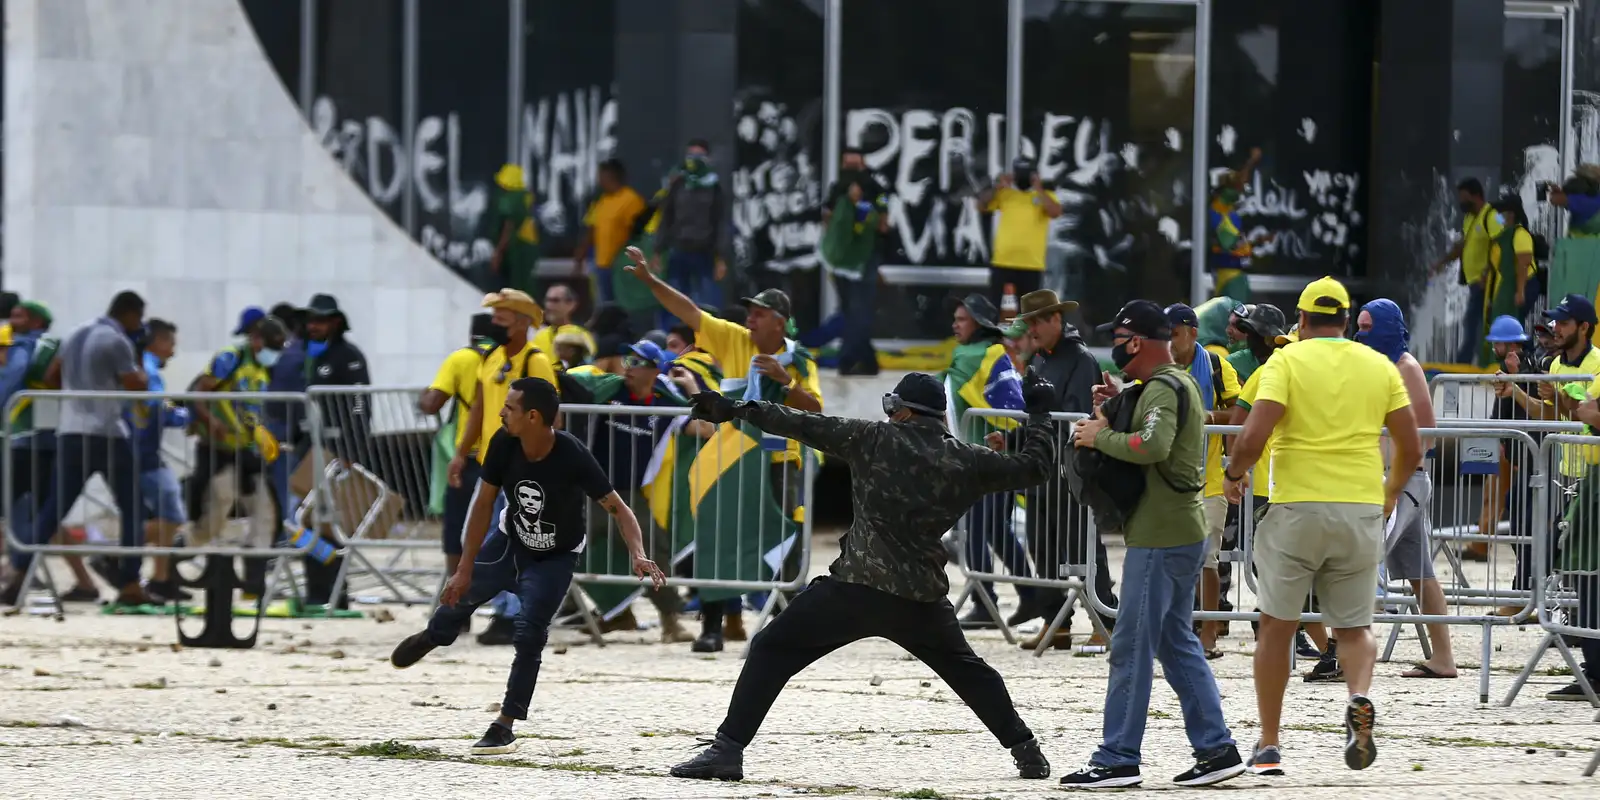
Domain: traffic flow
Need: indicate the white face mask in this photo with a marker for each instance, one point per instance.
(268, 358)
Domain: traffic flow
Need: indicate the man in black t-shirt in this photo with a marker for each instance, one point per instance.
(547, 476)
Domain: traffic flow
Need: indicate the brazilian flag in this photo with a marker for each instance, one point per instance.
(1574, 269)
(739, 529)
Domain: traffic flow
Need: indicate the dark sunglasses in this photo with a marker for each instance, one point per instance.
(637, 362)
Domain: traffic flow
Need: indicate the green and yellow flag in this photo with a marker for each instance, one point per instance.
(739, 529)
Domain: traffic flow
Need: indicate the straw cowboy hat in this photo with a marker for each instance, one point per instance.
(517, 301)
(1042, 303)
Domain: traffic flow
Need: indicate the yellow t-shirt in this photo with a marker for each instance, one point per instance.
(733, 348)
(1335, 394)
(612, 216)
(1247, 398)
(1230, 393)
(5, 334)
(1521, 244)
(1479, 232)
(496, 375)
(545, 339)
(1576, 460)
(1023, 231)
(458, 379)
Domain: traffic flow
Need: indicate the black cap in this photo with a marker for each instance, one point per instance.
(773, 300)
(923, 390)
(1144, 318)
(324, 305)
(1264, 320)
(1180, 314)
(1575, 307)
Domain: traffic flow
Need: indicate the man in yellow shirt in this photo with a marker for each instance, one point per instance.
(1219, 387)
(1480, 226)
(457, 384)
(1327, 400)
(513, 317)
(1023, 233)
(607, 226)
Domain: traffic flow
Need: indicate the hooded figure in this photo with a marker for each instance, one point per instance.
(1388, 334)
(1213, 315)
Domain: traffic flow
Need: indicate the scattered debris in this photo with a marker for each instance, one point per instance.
(559, 649)
(41, 672)
(304, 643)
(236, 719)
(492, 707)
(925, 684)
(177, 648)
(214, 662)
(383, 615)
(336, 654)
(65, 721)
(220, 690)
(876, 681)
(272, 706)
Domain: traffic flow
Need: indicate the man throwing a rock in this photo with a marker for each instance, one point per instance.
(913, 481)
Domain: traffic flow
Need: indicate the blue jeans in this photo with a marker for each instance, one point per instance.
(857, 304)
(162, 496)
(279, 471)
(506, 605)
(989, 527)
(539, 583)
(604, 285)
(1156, 622)
(78, 458)
(1472, 326)
(694, 274)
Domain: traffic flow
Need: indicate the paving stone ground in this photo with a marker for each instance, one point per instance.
(103, 707)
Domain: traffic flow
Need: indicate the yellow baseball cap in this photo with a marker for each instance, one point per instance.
(1324, 296)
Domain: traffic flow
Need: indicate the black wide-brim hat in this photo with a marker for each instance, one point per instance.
(325, 305)
(983, 312)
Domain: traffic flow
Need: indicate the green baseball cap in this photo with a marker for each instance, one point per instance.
(39, 310)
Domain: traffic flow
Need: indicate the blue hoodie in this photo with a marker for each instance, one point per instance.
(143, 415)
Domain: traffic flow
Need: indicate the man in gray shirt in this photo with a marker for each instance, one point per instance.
(93, 438)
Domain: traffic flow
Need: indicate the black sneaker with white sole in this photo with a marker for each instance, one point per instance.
(1327, 670)
(1214, 769)
(1094, 776)
(411, 649)
(1266, 761)
(1360, 749)
(499, 740)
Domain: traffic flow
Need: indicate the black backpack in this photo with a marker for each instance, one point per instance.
(1112, 488)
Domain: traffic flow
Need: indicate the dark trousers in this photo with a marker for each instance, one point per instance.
(1588, 616)
(831, 614)
(78, 458)
(1058, 532)
(1471, 326)
(457, 502)
(540, 584)
(989, 528)
(1022, 280)
(857, 309)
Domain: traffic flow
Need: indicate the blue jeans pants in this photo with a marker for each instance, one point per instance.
(506, 604)
(857, 305)
(1156, 623)
(989, 528)
(604, 284)
(694, 274)
(78, 458)
(1471, 326)
(540, 584)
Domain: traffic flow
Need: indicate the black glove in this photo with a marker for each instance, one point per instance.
(1037, 394)
(712, 407)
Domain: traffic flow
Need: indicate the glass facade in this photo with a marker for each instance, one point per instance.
(422, 101)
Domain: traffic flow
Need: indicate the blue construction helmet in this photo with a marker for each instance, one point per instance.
(1506, 328)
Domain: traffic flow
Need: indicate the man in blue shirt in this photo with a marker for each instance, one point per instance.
(286, 420)
(161, 497)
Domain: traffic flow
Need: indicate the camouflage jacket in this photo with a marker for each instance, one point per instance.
(910, 482)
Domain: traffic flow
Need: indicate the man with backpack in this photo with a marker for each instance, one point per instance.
(1219, 387)
(1159, 442)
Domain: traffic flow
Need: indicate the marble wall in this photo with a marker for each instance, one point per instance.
(150, 146)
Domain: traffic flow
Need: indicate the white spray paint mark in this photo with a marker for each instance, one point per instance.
(775, 221)
(564, 139)
(1227, 139)
(1308, 129)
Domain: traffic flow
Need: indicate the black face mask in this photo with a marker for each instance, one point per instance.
(1469, 207)
(499, 334)
(1120, 355)
(1022, 177)
(849, 175)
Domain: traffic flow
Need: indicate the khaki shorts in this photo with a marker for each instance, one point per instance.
(1216, 515)
(1333, 548)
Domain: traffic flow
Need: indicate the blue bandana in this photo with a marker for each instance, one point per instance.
(1388, 335)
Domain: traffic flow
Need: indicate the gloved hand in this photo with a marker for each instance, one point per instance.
(712, 407)
(266, 443)
(1037, 393)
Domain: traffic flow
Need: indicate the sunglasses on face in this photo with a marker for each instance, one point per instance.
(637, 362)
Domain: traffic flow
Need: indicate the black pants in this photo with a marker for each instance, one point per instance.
(1058, 533)
(831, 614)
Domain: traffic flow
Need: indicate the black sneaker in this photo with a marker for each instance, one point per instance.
(163, 592)
(978, 617)
(1327, 670)
(722, 760)
(1303, 646)
(1266, 761)
(1094, 776)
(11, 592)
(1572, 691)
(1030, 761)
(1360, 749)
(1025, 613)
(707, 643)
(501, 630)
(411, 649)
(82, 594)
(1216, 769)
(499, 740)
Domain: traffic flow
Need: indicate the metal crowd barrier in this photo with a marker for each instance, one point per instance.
(149, 498)
(1469, 395)
(721, 509)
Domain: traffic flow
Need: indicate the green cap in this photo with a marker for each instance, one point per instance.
(1016, 329)
(39, 310)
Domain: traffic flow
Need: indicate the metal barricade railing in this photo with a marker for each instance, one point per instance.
(112, 461)
(721, 509)
(1470, 395)
(1566, 553)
